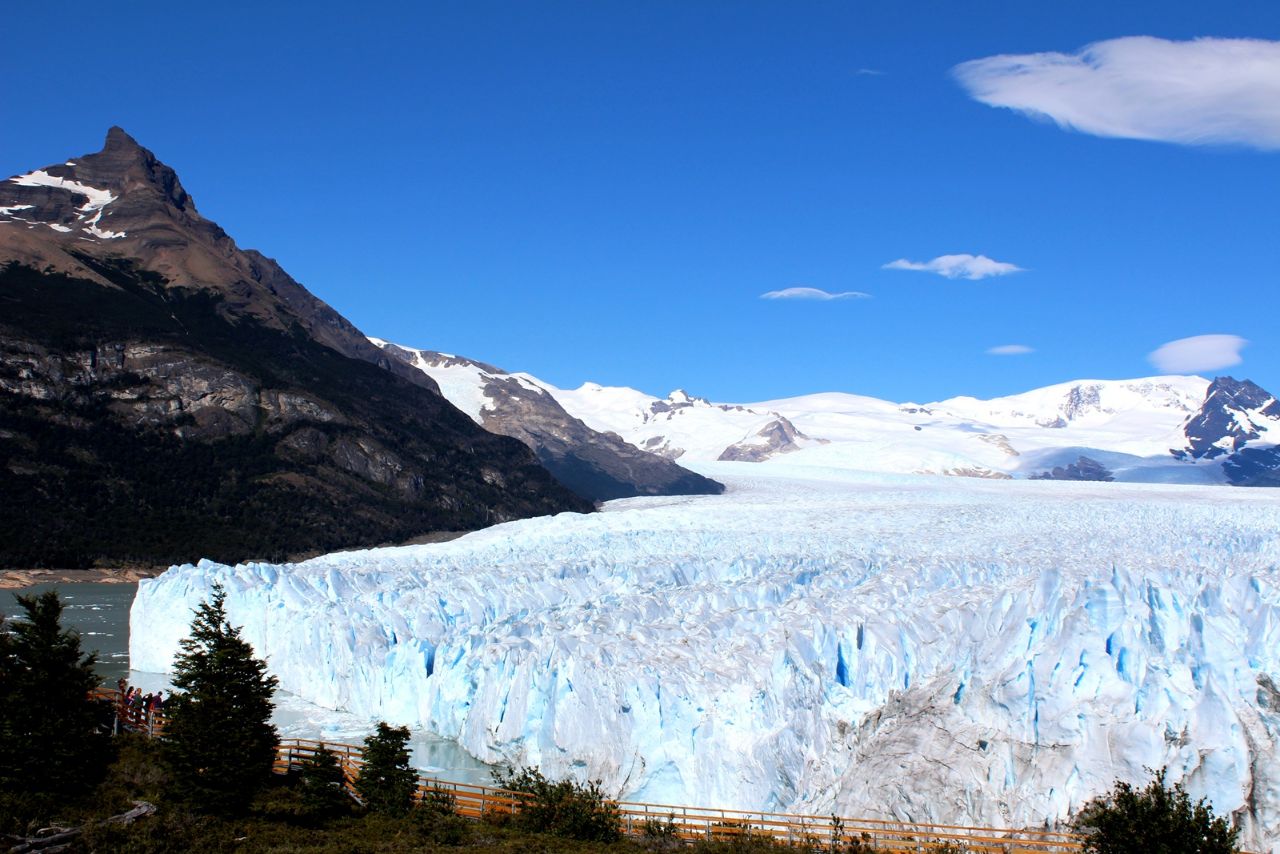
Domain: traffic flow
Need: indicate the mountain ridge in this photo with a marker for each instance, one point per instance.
(1141, 429)
(597, 465)
(165, 395)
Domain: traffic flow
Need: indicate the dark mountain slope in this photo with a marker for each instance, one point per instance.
(165, 396)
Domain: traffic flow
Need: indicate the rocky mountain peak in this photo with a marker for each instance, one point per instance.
(1234, 413)
(103, 196)
(118, 138)
(122, 202)
(124, 163)
(1241, 394)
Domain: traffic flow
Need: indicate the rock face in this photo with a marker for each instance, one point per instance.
(1083, 468)
(779, 436)
(1234, 424)
(1234, 412)
(166, 395)
(597, 466)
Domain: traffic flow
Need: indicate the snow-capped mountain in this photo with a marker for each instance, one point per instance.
(1234, 423)
(598, 466)
(1169, 428)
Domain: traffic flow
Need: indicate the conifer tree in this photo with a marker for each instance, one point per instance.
(323, 794)
(219, 740)
(387, 782)
(51, 741)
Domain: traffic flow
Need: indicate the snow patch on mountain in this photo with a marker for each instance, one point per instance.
(95, 199)
(815, 640)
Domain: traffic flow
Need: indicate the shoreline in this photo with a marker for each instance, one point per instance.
(14, 579)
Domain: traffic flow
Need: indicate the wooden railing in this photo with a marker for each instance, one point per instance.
(130, 717)
(688, 823)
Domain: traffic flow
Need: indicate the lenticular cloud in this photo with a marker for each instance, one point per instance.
(1206, 91)
(812, 294)
(1198, 353)
(961, 266)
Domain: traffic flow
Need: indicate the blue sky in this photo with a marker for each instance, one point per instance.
(604, 190)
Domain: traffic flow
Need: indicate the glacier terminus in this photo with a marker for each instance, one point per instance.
(923, 648)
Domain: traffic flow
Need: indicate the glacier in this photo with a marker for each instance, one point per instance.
(896, 646)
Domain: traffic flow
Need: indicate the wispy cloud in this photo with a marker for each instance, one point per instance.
(1198, 353)
(957, 266)
(869, 72)
(813, 294)
(1010, 350)
(1197, 92)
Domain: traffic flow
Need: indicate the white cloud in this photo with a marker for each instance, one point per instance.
(957, 266)
(1197, 92)
(1198, 353)
(1010, 350)
(813, 293)
(869, 72)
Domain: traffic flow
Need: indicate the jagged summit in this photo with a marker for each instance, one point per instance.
(118, 137)
(123, 203)
(118, 185)
(1234, 412)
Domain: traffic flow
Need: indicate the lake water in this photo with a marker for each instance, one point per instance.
(100, 612)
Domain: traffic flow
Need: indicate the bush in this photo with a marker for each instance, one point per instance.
(437, 819)
(1154, 820)
(387, 782)
(565, 808)
(657, 829)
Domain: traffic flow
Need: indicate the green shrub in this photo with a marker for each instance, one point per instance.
(563, 808)
(1154, 820)
(438, 802)
(657, 829)
(437, 819)
(839, 841)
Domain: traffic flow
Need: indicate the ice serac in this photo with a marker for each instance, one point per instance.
(598, 466)
(928, 649)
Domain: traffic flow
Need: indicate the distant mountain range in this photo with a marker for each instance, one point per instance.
(1157, 429)
(166, 395)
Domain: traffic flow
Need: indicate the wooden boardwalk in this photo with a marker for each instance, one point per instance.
(475, 801)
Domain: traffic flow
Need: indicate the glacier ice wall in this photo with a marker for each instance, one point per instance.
(919, 648)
